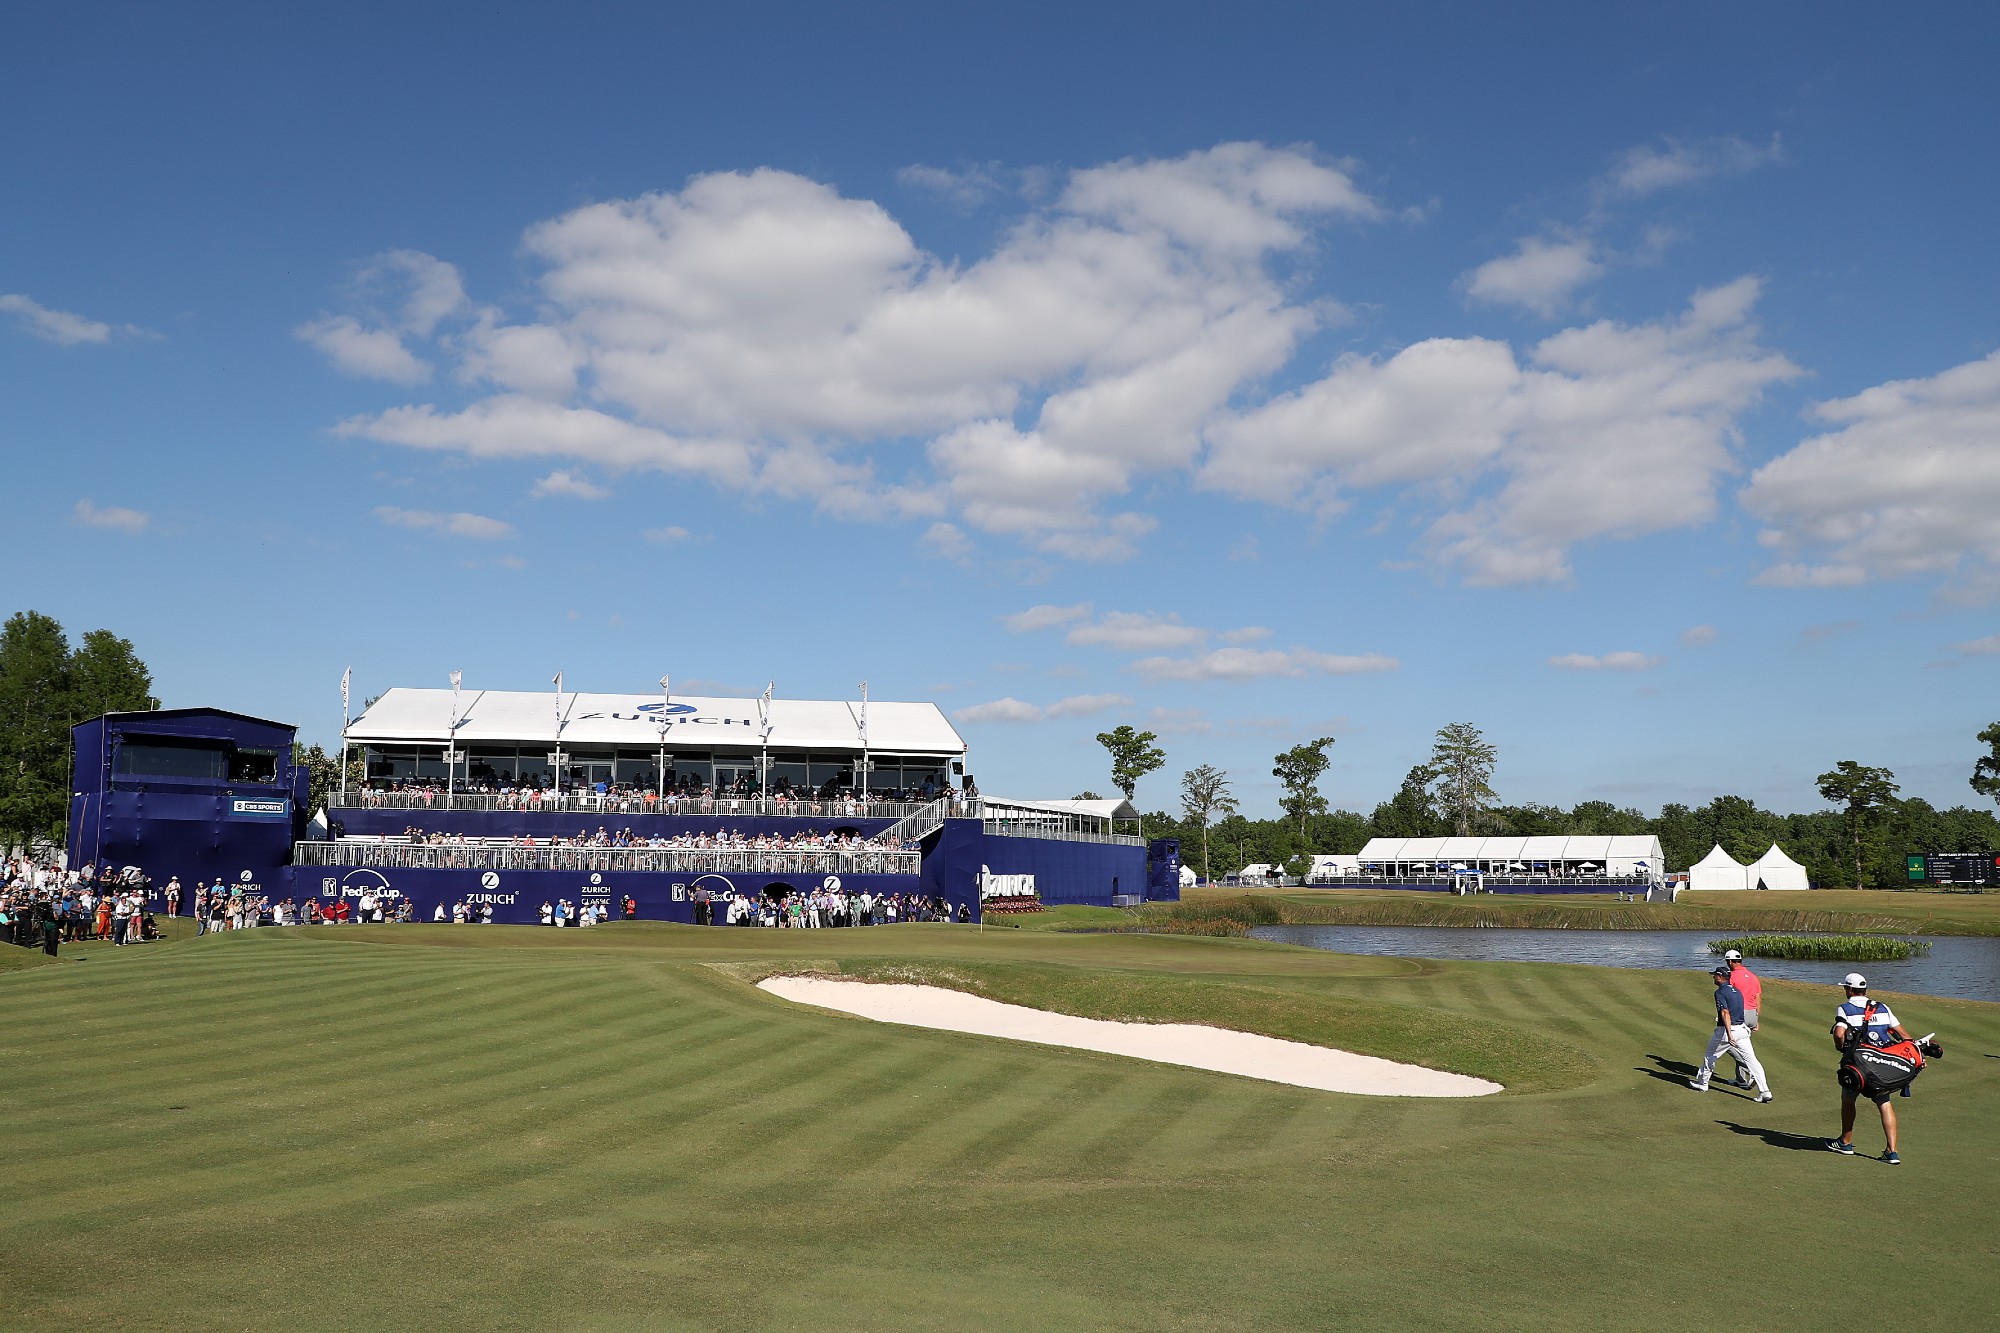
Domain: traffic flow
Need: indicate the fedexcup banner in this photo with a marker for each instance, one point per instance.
(244, 807)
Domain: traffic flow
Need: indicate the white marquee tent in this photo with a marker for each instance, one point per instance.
(1775, 870)
(1718, 870)
(1620, 856)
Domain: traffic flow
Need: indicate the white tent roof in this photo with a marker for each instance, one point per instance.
(1119, 809)
(1717, 859)
(1600, 848)
(529, 717)
(1775, 859)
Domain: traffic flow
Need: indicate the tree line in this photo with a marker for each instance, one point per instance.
(1860, 842)
(47, 686)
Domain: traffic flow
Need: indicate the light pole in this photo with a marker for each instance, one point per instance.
(666, 704)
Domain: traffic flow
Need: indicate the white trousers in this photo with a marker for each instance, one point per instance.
(1735, 1040)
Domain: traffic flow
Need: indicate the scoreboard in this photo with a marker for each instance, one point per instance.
(1955, 868)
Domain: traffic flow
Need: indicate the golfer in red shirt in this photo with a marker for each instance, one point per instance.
(1745, 981)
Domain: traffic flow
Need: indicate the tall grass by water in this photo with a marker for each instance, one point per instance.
(1824, 948)
(1217, 914)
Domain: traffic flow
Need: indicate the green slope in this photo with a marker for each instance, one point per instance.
(430, 1128)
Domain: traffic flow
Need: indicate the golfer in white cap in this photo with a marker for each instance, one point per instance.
(1730, 1035)
(1746, 981)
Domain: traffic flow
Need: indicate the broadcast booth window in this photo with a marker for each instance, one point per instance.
(253, 766)
(164, 759)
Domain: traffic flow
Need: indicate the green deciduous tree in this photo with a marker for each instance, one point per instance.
(1133, 756)
(1298, 771)
(45, 689)
(1204, 795)
(1462, 764)
(323, 773)
(1986, 772)
(1864, 791)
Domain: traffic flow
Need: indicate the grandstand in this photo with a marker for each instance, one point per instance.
(511, 799)
(1562, 863)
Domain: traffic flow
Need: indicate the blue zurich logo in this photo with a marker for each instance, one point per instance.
(665, 709)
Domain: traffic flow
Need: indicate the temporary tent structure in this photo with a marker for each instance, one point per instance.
(1718, 870)
(1775, 870)
(1621, 856)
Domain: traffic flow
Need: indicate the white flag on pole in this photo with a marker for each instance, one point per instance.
(346, 678)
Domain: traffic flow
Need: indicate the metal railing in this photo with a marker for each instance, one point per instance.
(1013, 828)
(1609, 883)
(476, 856)
(915, 827)
(616, 803)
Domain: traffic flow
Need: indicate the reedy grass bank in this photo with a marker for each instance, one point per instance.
(1211, 912)
(1824, 948)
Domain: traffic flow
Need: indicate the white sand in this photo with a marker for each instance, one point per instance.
(1189, 1044)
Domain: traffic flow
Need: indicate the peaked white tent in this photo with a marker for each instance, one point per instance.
(1718, 870)
(1775, 870)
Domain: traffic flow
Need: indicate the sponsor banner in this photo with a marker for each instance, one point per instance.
(260, 807)
(1007, 893)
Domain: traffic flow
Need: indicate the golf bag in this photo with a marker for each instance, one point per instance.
(1877, 1071)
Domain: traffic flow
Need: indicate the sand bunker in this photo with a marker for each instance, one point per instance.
(1197, 1047)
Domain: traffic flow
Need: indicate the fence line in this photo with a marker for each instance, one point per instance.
(474, 856)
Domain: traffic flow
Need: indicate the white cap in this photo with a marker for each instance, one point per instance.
(1854, 981)
(1734, 956)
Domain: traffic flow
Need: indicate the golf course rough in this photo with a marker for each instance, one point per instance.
(1186, 1044)
(435, 1127)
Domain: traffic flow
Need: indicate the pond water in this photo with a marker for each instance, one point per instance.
(1962, 967)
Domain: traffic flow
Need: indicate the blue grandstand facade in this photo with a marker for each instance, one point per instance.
(504, 802)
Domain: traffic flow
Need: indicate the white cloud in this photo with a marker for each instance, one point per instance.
(1698, 636)
(1621, 661)
(947, 541)
(568, 485)
(1907, 484)
(454, 525)
(666, 536)
(1008, 709)
(1044, 617)
(423, 288)
(1649, 169)
(1011, 709)
(1257, 664)
(762, 318)
(1986, 647)
(63, 327)
(112, 516)
(1541, 275)
(1135, 632)
(1610, 431)
(1082, 705)
(376, 354)
(964, 189)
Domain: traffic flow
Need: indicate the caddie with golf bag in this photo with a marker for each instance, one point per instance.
(1878, 1060)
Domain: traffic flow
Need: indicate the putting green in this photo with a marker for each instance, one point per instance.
(436, 1127)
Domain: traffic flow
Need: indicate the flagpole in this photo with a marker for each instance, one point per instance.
(863, 784)
(451, 746)
(667, 705)
(559, 727)
(764, 743)
(346, 677)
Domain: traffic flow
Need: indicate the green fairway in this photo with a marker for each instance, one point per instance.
(512, 1128)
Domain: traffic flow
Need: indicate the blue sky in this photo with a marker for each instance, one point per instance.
(1625, 385)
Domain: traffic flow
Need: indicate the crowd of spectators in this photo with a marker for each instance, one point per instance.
(823, 908)
(808, 852)
(43, 904)
(635, 798)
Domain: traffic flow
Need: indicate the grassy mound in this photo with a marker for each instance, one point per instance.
(1824, 948)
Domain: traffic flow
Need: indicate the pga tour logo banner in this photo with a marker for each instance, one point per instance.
(243, 807)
